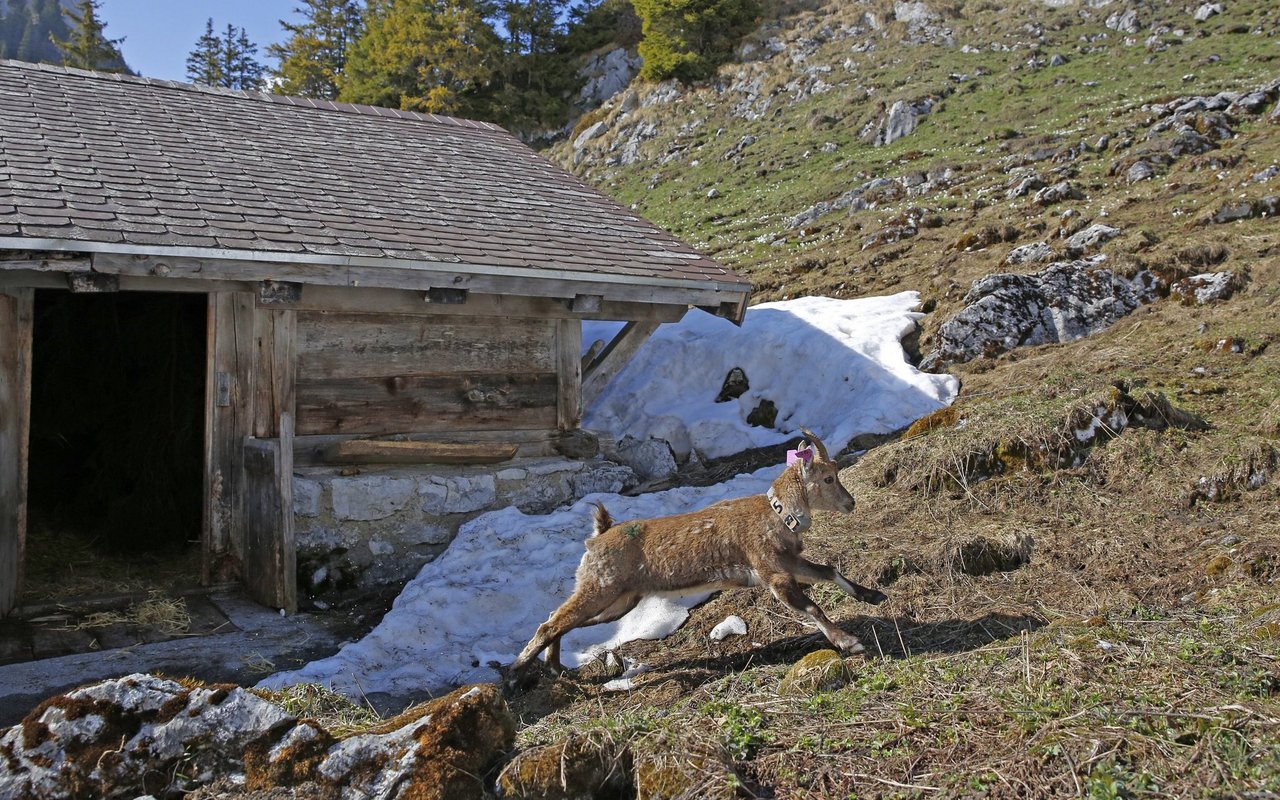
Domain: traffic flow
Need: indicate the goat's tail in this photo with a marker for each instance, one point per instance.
(600, 519)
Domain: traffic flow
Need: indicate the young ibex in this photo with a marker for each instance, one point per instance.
(751, 541)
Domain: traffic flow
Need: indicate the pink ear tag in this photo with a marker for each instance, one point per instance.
(805, 455)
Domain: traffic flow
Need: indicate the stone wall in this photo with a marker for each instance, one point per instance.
(358, 529)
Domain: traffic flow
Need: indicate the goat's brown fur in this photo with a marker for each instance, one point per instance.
(734, 543)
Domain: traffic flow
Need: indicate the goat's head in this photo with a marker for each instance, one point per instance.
(820, 477)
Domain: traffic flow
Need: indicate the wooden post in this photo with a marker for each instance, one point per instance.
(569, 373)
(16, 306)
(270, 552)
(613, 358)
(228, 420)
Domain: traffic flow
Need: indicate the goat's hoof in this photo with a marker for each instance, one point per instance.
(875, 597)
(517, 680)
(852, 647)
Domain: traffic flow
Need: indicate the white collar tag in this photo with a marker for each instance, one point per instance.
(790, 521)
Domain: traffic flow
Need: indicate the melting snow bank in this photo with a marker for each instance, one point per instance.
(835, 366)
(483, 598)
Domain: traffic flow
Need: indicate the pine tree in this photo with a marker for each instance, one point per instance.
(204, 63)
(87, 46)
(314, 57)
(227, 61)
(424, 55)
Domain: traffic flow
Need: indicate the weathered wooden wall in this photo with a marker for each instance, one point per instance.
(376, 374)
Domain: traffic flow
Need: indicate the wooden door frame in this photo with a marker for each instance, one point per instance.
(16, 315)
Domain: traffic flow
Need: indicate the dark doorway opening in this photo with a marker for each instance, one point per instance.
(116, 456)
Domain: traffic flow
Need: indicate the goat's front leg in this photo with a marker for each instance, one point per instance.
(791, 595)
(807, 571)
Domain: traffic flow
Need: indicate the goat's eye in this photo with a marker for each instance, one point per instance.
(830, 479)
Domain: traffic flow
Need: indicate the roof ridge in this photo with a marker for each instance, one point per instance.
(279, 99)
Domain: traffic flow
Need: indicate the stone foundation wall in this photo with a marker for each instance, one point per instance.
(379, 526)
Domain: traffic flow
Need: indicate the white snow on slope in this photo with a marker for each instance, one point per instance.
(836, 366)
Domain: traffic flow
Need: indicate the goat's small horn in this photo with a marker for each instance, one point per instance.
(817, 444)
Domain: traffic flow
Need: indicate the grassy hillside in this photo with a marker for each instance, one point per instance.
(1107, 626)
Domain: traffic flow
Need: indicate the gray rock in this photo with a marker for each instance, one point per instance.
(914, 13)
(590, 133)
(577, 444)
(306, 497)
(113, 738)
(1065, 301)
(1028, 184)
(1057, 60)
(651, 459)
(608, 478)
(901, 120)
(368, 497)
(1062, 190)
(462, 494)
(1140, 171)
(1124, 21)
(1208, 10)
(1205, 288)
(1091, 238)
(1030, 254)
(607, 74)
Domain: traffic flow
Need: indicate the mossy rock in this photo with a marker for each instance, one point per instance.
(468, 731)
(667, 768)
(577, 767)
(820, 671)
(947, 417)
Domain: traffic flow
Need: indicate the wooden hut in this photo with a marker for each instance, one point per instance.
(363, 284)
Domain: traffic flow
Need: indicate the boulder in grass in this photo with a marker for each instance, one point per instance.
(1067, 300)
(820, 671)
(577, 767)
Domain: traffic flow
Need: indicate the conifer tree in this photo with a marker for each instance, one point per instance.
(423, 55)
(87, 46)
(314, 57)
(688, 39)
(227, 61)
(204, 63)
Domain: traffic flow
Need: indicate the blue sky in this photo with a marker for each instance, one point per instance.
(160, 33)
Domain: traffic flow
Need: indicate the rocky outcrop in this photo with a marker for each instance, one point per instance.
(143, 734)
(135, 735)
(900, 120)
(1067, 300)
(1204, 288)
(606, 74)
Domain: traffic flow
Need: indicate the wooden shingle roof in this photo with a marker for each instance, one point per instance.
(134, 167)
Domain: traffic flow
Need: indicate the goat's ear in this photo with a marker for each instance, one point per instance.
(804, 468)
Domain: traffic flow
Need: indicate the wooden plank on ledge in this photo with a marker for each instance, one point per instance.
(373, 451)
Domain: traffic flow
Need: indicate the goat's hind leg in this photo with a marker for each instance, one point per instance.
(792, 596)
(573, 613)
(620, 608)
(807, 571)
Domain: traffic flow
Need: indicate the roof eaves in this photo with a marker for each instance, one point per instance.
(266, 258)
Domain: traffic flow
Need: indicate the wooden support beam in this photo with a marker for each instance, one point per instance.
(314, 450)
(373, 451)
(228, 422)
(613, 358)
(569, 374)
(16, 312)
